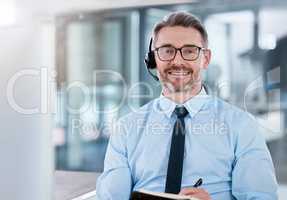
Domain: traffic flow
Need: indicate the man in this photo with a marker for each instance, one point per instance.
(185, 135)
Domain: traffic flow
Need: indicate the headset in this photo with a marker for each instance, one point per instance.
(151, 64)
(150, 61)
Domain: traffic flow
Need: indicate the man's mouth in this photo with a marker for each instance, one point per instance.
(179, 73)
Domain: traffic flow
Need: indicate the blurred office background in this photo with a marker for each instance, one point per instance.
(94, 50)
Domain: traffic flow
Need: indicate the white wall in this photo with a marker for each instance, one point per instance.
(25, 143)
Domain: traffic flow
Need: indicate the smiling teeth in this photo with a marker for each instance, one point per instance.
(179, 73)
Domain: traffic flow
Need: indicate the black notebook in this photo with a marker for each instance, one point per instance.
(148, 195)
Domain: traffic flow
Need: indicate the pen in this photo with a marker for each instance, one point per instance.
(198, 183)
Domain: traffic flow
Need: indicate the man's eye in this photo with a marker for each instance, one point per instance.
(189, 50)
(169, 51)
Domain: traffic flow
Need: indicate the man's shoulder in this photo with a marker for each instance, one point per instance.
(239, 121)
(220, 104)
(229, 109)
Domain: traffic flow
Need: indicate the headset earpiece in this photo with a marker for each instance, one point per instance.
(149, 58)
(150, 61)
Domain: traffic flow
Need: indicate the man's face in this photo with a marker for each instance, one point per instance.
(179, 75)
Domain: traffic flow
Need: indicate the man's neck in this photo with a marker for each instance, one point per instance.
(181, 97)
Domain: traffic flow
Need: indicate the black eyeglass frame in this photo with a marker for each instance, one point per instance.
(180, 50)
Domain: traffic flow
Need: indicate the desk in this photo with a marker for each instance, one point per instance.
(69, 185)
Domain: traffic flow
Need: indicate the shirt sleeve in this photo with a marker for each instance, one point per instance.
(115, 182)
(253, 176)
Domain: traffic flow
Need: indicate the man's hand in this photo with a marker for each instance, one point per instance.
(196, 192)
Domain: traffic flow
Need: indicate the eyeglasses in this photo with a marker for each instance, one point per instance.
(187, 52)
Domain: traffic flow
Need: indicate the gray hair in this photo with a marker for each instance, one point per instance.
(183, 19)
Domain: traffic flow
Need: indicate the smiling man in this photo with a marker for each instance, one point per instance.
(186, 135)
(181, 54)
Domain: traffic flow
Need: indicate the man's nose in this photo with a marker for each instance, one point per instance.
(178, 58)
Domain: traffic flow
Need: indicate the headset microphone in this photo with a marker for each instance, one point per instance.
(153, 76)
(150, 61)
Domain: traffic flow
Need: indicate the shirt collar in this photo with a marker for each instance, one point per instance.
(193, 105)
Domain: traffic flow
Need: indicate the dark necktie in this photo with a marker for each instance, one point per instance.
(175, 162)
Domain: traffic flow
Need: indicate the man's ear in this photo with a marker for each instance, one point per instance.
(206, 58)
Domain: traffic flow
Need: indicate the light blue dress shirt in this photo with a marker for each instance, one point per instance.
(223, 146)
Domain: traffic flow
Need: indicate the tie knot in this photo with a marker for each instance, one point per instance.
(181, 111)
